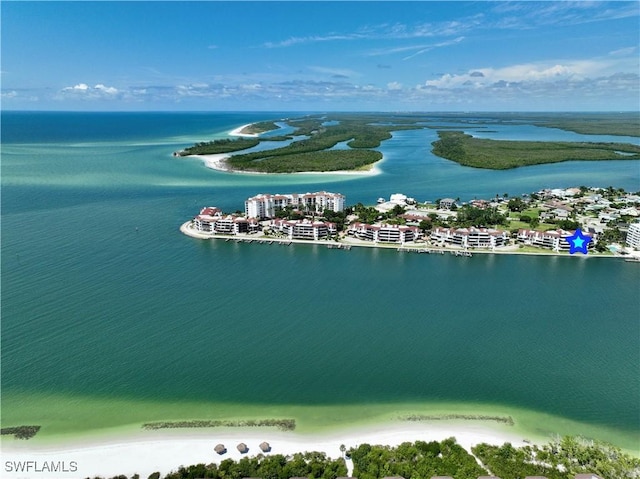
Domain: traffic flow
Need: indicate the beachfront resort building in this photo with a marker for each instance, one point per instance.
(265, 205)
(633, 235)
(212, 220)
(554, 239)
(384, 233)
(470, 237)
(304, 229)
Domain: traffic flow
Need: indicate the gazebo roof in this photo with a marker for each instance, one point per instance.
(242, 447)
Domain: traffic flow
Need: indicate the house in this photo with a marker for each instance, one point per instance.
(446, 203)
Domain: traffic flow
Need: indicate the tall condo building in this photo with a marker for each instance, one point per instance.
(633, 235)
(265, 205)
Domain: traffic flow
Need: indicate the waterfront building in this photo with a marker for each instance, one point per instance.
(633, 235)
(265, 205)
(446, 203)
(212, 220)
(384, 233)
(470, 237)
(554, 239)
(304, 229)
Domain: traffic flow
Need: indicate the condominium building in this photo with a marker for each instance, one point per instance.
(384, 233)
(555, 239)
(265, 205)
(304, 229)
(470, 237)
(212, 220)
(633, 235)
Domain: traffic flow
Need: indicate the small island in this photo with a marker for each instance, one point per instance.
(349, 142)
(502, 154)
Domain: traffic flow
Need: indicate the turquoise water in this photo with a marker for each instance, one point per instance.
(105, 301)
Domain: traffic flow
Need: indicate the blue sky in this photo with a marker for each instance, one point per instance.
(320, 56)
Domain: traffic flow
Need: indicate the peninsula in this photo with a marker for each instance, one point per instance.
(538, 223)
(349, 142)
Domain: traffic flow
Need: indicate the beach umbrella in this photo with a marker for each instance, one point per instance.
(265, 447)
(220, 449)
(242, 447)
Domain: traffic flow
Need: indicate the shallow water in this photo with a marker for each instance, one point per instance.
(106, 306)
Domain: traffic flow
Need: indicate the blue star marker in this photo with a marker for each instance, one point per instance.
(578, 242)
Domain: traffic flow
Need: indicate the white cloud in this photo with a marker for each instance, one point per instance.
(623, 52)
(574, 70)
(78, 87)
(394, 85)
(82, 90)
(109, 90)
(422, 48)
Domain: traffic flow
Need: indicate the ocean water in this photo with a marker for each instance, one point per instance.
(111, 317)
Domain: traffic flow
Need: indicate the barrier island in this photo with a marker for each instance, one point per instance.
(347, 142)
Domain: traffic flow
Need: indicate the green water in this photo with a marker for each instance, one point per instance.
(111, 317)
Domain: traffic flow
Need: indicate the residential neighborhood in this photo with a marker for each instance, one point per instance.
(536, 222)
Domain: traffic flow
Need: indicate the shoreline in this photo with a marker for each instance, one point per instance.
(238, 132)
(146, 452)
(186, 229)
(217, 162)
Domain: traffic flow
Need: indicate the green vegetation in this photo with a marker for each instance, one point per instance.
(314, 154)
(479, 217)
(282, 424)
(308, 464)
(20, 432)
(500, 155)
(597, 124)
(219, 146)
(333, 160)
(418, 460)
(561, 459)
(365, 132)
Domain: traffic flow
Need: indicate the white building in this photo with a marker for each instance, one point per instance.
(265, 205)
(470, 237)
(384, 233)
(304, 229)
(633, 235)
(212, 220)
(554, 239)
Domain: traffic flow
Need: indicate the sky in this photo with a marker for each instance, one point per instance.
(321, 56)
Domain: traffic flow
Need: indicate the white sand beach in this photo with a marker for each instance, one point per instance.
(166, 450)
(238, 131)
